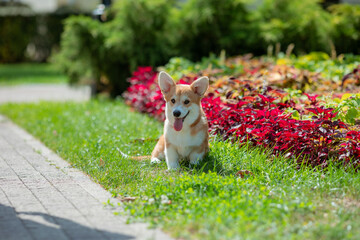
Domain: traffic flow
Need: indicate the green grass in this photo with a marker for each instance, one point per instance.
(208, 202)
(29, 73)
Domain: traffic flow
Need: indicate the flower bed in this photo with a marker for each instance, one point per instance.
(245, 110)
(313, 76)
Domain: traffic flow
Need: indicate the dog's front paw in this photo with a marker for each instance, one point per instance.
(195, 161)
(196, 158)
(172, 158)
(173, 165)
(155, 160)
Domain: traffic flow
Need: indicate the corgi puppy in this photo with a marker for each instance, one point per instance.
(186, 128)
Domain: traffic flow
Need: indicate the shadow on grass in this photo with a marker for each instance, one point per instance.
(209, 164)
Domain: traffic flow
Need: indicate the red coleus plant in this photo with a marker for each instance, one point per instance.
(259, 119)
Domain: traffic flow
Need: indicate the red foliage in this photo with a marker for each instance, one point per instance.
(257, 119)
(144, 93)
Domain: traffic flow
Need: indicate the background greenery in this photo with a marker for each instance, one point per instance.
(39, 33)
(15, 34)
(105, 53)
(150, 32)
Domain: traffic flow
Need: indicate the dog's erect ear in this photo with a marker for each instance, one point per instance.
(200, 86)
(165, 82)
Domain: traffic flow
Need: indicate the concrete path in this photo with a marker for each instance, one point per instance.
(49, 92)
(43, 197)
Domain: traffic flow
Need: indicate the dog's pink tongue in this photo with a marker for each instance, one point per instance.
(178, 124)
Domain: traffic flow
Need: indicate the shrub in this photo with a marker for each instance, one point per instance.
(137, 35)
(303, 23)
(139, 32)
(108, 52)
(81, 48)
(204, 26)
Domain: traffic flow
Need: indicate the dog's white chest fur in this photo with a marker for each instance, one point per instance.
(183, 141)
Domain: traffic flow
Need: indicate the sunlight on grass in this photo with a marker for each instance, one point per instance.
(211, 201)
(29, 73)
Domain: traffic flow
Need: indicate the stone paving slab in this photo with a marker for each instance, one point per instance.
(43, 197)
(46, 92)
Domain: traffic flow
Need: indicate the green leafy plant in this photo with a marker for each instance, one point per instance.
(348, 108)
(320, 62)
(180, 67)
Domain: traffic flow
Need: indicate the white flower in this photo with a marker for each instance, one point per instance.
(164, 199)
(151, 200)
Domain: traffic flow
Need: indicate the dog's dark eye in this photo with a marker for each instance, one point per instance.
(186, 101)
(173, 100)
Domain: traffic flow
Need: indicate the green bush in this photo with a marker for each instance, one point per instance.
(303, 23)
(82, 47)
(107, 52)
(139, 32)
(204, 26)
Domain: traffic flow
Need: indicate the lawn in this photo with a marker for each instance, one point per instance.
(279, 200)
(30, 73)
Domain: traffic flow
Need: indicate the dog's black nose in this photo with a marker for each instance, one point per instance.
(177, 113)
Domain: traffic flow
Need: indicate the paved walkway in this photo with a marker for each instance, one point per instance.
(43, 197)
(36, 92)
